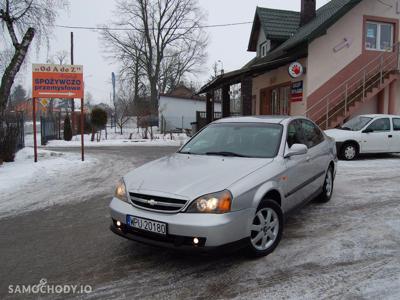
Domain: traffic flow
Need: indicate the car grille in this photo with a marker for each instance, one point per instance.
(157, 203)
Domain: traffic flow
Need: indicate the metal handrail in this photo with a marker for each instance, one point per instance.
(387, 63)
(394, 49)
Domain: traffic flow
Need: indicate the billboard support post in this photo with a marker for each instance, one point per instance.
(34, 129)
(82, 133)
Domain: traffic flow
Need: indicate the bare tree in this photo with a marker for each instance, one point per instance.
(23, 20)
(61, 56)
(123, 108)
(165, 36)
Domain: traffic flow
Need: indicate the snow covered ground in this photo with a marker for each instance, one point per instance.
(24, 174)
(129, 137)
(348, 248)
(118, 140)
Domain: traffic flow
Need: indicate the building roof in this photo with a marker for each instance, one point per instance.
(326, 16)
(184, 93)
(277, 25)
(296, 45)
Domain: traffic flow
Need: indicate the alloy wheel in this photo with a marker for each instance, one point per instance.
(264, 229)
(328, 183)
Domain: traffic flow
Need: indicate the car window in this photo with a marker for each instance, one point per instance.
(294, 133)
(396, 124)
(380, 125)
(312, 134)
(356, 123)
(243, 139)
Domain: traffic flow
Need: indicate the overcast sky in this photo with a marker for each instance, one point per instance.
(228, 44)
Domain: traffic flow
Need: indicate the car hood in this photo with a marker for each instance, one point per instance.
(341, 135)
(190, 176)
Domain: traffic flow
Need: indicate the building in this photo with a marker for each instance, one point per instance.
(178, 109)
(328, 64)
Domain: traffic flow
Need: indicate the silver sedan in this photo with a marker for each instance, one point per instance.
(231, 184)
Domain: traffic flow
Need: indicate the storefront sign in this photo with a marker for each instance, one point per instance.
(296, 94)
(296, 69)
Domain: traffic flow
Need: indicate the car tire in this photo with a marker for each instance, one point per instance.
(266, 229)
(327, 188)
(349, 151)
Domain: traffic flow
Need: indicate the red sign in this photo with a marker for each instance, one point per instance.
(57, 81)
(296, 94)
(295, 69)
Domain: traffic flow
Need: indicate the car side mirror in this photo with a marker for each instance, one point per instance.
(368, 130)
(296, 149)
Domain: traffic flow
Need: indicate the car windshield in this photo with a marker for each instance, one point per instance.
(237, 139)
(356, 123)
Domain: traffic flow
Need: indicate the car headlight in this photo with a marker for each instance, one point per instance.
(215, 203)
(120, 191)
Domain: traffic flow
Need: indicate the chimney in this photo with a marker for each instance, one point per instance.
(308, 9)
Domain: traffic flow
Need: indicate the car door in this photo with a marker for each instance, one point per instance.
(318, 153)
(376, 137)
(395, 140)
(298, 169)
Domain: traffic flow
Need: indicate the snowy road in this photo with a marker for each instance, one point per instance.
(348, 248)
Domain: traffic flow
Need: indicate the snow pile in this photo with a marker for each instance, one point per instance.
(24, 173)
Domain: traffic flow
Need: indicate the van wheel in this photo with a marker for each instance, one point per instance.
(266, 229)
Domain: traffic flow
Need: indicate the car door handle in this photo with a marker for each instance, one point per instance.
(308, 158)
(390, 136)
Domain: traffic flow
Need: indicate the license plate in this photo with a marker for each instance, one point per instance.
(147, 225)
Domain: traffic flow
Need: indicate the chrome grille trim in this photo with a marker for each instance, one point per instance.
(157, 203)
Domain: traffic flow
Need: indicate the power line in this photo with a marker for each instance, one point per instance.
(129, 29)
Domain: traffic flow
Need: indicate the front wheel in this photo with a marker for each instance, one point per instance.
(349, 151)
(266, 229)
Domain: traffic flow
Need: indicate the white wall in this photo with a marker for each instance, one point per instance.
(261, 39)
(178, 111)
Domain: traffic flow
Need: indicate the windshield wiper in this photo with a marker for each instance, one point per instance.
(225, 153)
(345, 128)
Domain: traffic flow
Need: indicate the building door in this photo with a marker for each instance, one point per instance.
(275, 101)
(265, 107)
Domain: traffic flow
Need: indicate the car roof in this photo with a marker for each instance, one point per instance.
(378, 115)
(255, 119)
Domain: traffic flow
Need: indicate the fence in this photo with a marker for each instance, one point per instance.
(201, 119)
(12, 137)
(50, 129)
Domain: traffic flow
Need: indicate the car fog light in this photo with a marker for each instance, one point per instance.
(196, 241)
(118, 223)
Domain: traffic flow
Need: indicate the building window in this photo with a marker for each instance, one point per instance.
(265, 48)
(379, 36)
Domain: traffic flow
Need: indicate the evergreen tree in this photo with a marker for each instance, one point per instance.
(67, 129)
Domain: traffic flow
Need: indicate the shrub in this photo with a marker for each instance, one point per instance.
(98, 118)
(67, 129)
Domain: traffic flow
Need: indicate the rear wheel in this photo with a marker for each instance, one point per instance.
(327, 188)
(349, 151)
(266, 229)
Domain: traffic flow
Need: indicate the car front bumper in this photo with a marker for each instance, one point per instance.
(213, 230)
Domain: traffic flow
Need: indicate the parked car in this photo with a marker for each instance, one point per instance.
(374, 133)
(230, 184)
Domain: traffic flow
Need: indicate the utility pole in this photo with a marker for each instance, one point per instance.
(115, 108)
(72, 100)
